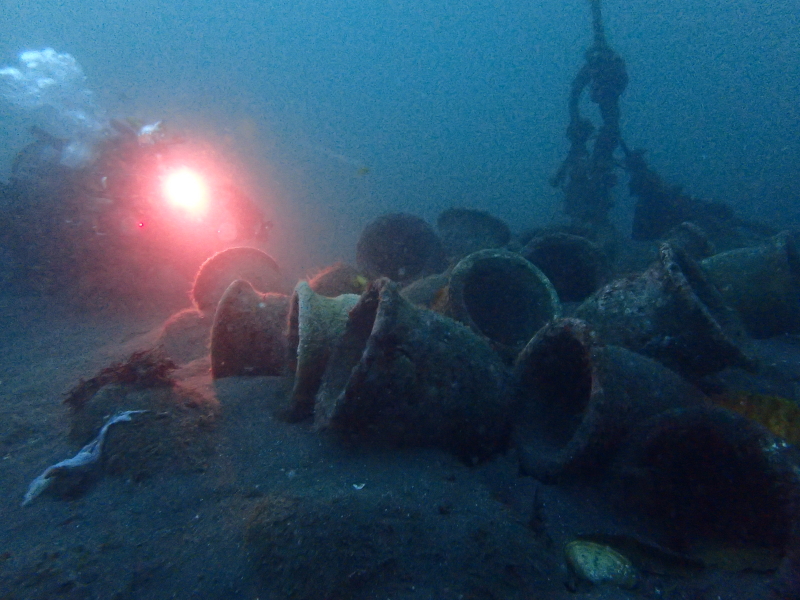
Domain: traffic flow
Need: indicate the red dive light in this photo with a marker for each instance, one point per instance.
(183, 195)
(186, 190)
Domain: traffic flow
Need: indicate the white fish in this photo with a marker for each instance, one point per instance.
(88, 456)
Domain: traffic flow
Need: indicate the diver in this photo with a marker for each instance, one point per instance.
(587, 175)
(93, 204)
(661, 207)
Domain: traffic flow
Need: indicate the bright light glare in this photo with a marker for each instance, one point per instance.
(187, 190)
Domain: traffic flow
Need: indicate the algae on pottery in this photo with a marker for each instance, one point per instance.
(671, 313)
(402, 375)
(249, 333)
(762, 283)
(315, 324)
(503, 297)
(225, 267)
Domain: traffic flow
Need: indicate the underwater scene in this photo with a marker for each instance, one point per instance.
(358, 300)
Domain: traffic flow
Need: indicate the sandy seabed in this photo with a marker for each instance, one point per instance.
(244, 505)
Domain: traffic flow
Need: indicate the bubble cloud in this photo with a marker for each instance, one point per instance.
(51, 87)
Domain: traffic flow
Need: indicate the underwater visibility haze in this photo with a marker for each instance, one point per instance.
(348, 299)
(344, 110)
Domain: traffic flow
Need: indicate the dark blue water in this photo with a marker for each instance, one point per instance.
(342, 110)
